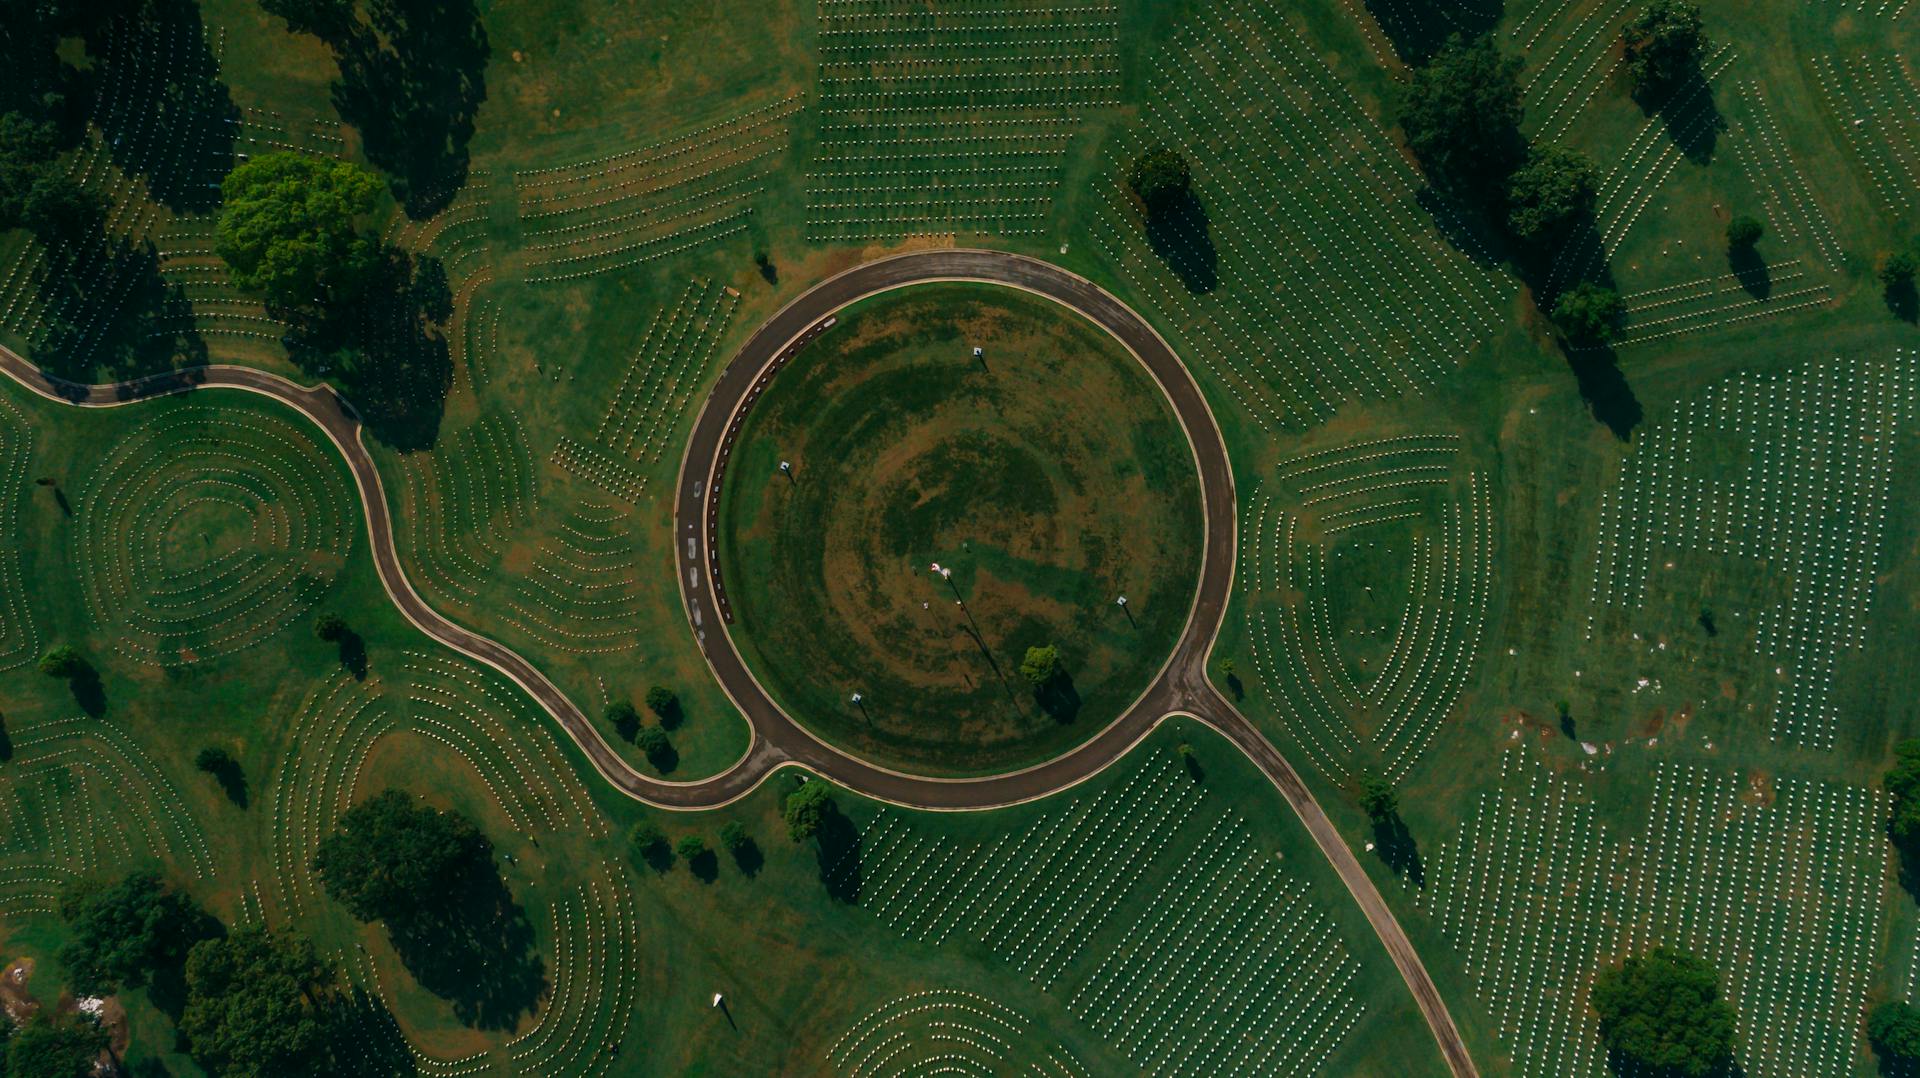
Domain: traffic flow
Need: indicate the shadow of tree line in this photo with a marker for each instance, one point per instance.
(412, 78)
(164, 118)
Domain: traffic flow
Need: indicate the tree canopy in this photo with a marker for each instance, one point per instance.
(390, 857)
(1041, 664)
(1378, 798)
(289, 229)
(1898, 269)
(1902, 782)
(55, 1046)
(1744, 231)
(1663, 47)
(1589, 313)
(1661, 1014)
(122, 933)
(1159, 176)
(624, 718)
(62, 661)
(1893, 1028)
(664, 703)
(807, 809)
(257, 1006)
(1462, 118)
(1549, 196)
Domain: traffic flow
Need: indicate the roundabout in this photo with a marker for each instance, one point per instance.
(1045, 477)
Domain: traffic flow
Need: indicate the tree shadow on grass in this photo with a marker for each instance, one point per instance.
(388, 353)
(412, 82)
(1180, 232)
(233, 782)
(1418, 29)
(366, 1039)
(88, 692)
(106, 312)
(749, 858)
(1903, 300)
(1751, 271)
(173, 122)
(353, 654)
(475, 950)
(1396, 847)
(837, 851)
(1058, 698)
(1602, 385)
(1692, 119)
(705, 866)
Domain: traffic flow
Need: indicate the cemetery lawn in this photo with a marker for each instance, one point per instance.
(1049, 476)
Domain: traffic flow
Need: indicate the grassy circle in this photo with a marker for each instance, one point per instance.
(1049, 475)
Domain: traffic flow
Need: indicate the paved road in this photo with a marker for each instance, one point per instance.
(1181, 687)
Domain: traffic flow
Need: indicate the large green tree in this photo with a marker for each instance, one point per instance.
(258, 1005)
(1663, 48)
(122, 933)
(1041, 665)
(807, 809)
(1462, 118)
(1159, 176)
(291, 229)
(1893, 1028)
(27, 148)
(1902, 782)
(1550, 196)
(1589, 313)
(55, 1046)
(392, 857)
(1661, 1016)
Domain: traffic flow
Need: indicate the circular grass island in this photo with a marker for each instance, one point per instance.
(1047, 476)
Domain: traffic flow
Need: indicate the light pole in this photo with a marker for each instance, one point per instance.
(946, 574)
(860, 702)
(786, 469)
(1122, 604)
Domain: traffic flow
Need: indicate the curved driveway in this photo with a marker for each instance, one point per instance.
(1180, 688)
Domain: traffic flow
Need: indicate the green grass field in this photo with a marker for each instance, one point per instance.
(1048, 477)
(1446, 528)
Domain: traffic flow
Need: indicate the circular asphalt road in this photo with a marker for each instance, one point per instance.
(1181, 688)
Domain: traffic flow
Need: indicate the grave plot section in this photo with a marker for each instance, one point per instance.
(569, 580)
(674, 354)
(1572, 50)
(1147, 908)
(1766, 498)
(1634, 176)
(80, 797)
(1778, 883)
(585, 928)
(208, 529)
(1367, 573)
(19, 638)
(457, 237)
(1303, 272)
(952, 116)
(1523, 893)
(163, 132)
(594, 931)
(648, 203)
(1772, 167)
(464, 505)
(1872, 97)
(580, 592)
(947, 1031)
